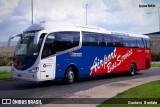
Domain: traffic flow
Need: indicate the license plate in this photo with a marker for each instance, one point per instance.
(19, 75)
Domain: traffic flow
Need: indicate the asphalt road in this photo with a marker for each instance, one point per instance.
(56, 89)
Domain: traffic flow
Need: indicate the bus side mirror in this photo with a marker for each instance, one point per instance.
(37, 35)
(11, 37)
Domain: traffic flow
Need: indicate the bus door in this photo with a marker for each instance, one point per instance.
(141, 53)
(148, 53)
(47, 71)
(48, 60)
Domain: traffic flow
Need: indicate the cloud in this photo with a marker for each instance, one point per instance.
(128, 17)
(6, 6)
(54, 10)
(121, 15)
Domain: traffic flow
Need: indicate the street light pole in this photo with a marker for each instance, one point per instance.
(32, 12)
(159, 19)
(86, 13)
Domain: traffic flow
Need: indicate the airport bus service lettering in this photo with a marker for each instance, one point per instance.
(110, 62)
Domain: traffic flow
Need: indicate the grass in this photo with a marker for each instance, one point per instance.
(155, 65)
(5, 75)
(146, 92)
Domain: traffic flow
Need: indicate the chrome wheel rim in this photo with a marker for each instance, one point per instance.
(132, 70)
(70, 76)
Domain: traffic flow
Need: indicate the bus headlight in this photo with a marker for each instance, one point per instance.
(12, 69)
(33, 70)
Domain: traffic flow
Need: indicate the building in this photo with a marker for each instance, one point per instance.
(155, 41)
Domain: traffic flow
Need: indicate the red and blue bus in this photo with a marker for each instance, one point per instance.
(50, 51)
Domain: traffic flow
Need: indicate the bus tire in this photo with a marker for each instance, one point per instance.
(132, 69)
(69, 76)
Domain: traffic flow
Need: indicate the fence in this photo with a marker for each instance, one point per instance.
(4, 44)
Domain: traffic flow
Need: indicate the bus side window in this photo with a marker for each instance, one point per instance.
(92, 39)
(99, 39)
(67, 40)
(116, 39)
(76, 41)
(145, 42)
(140, 43)
(148, 43)
(108, 41)
(129, 41)
(125, 42)
(49, 48)
(89, 40)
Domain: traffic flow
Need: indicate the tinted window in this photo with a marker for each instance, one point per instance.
(108, 41)
(140, 43)
(129, 41)
(92, 39)
(60, 41)
(97, 39)
(66, 40)
(148, 43)
(116, 39)
(113, 40)
(49, 46)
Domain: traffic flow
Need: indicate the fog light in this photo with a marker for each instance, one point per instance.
(33, 70)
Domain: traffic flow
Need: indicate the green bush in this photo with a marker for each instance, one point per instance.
(156, 56)
(4, 61)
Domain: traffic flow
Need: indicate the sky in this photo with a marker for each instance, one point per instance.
(115, 15)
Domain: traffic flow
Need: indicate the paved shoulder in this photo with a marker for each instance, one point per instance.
(106, 91)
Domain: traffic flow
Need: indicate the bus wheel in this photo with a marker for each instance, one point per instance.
(69, 76)
(132, 70)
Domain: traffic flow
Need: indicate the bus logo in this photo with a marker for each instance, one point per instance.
(74, 54)
(44, 65)
(47, 65)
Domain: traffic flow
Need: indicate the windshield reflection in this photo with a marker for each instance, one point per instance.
(26, 46)
(26, 52)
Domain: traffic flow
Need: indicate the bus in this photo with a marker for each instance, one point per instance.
(51, 51)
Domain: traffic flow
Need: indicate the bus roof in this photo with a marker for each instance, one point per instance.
(67, 26)
(51, 26)
(138, 35)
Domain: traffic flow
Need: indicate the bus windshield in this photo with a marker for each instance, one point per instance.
(26, 51)
(26, 47)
